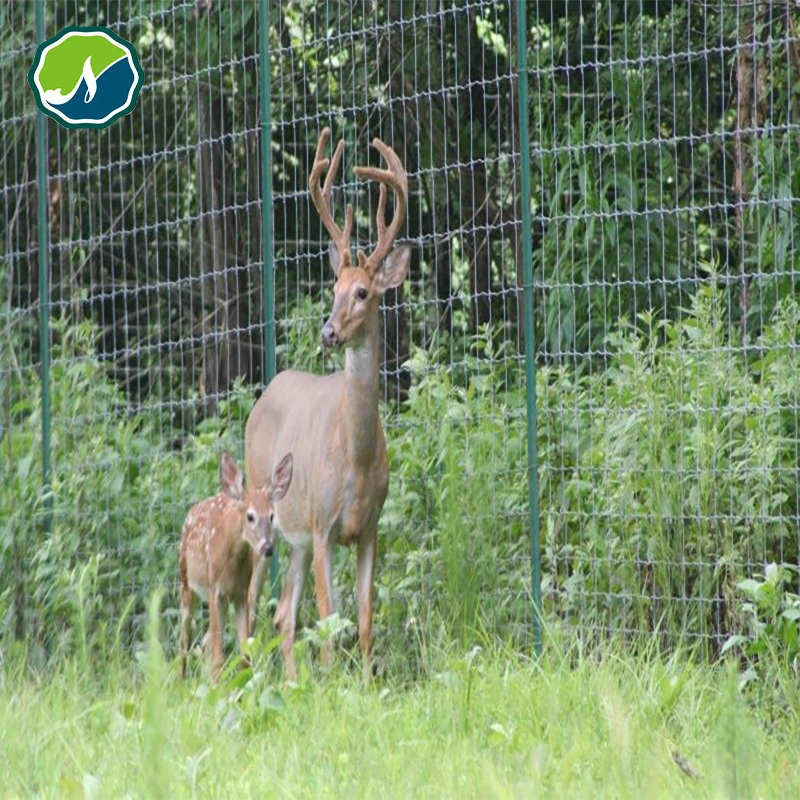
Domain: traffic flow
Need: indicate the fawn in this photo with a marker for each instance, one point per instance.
(221, 536)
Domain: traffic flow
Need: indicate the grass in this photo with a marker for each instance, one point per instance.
(485, 724)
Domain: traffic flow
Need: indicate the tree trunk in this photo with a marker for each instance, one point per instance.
(744, 120)
(218, 312)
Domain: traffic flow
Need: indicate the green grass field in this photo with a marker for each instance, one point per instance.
(483, 724)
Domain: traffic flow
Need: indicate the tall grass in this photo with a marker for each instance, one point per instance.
(481, 723)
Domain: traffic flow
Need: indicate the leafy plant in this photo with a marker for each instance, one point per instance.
(771, 614)
(661, 478)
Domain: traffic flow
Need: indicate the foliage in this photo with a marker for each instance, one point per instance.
(678, 472)
(479, 723)
(631, 186)
(301, 340)
(772, 614)
(454, 512)
(667, 442)
(118, 496)
(662, 480)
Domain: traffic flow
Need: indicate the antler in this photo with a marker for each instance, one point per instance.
(395, 177)
(322, 199)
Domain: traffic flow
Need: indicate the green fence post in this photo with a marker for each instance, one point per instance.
(44, 272)
(267, 265)
(530, 364)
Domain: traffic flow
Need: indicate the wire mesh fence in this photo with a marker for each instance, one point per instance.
(666, 304)
(662, 140)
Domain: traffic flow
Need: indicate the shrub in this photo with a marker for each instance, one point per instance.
(664, 480)
(119, 493)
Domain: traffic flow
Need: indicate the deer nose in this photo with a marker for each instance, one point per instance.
(266, 549)
(329, 335)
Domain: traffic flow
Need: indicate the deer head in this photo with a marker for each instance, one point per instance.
(256, 506)
(359, 288)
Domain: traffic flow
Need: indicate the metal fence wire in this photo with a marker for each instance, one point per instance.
(661, 140)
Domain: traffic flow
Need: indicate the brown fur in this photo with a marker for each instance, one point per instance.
(331, 423)
(219, 535)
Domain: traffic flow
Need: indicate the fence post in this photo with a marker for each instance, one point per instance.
(530, 365)
(43, 254)
(267, 264)
(42, 223)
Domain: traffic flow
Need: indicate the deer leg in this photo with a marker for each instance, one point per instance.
(242, 609)
(285, 619)
(216, 618)
(365, 592)
(260, 571)
(187, 609)
(323, 582)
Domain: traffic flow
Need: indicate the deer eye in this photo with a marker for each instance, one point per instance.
(361, 293)
(271, 517)
(251, 518)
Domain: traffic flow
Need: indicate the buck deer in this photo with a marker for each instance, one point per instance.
(215, 562)
(331, 423)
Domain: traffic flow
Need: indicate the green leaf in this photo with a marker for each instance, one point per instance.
(733, 641)
(751, 587)
(773, 573)
(271, 700)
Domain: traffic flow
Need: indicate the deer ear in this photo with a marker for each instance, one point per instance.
(335, 257)
(230, 477)
(281, 478)
(394, 269)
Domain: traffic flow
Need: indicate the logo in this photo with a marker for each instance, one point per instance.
(86, 77)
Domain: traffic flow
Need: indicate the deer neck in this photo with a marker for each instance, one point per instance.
(360, 399)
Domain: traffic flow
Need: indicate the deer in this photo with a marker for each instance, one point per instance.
(331, 422)
(219, 535)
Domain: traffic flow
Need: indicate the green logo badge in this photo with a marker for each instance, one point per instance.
(86, 77)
